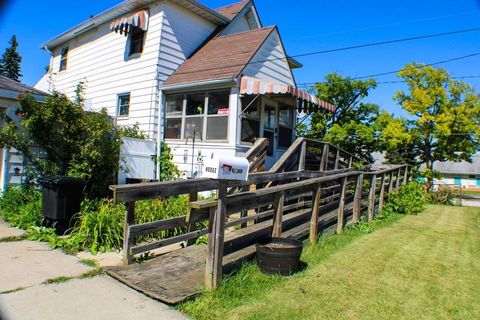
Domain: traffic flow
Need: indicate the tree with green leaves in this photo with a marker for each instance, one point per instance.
(445, 111)
(350, 126)
(396, 139)
(10, 61)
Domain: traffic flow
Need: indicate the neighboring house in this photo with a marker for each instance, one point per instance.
(463, 173)
(12, 164)
(183, 71)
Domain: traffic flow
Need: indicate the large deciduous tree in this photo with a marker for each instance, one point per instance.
(446, 115)
(350, 126)
(10, 61)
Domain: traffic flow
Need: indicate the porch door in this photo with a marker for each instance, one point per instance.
(270, 131)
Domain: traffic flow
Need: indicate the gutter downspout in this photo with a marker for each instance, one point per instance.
(161, 99)
(50, 67)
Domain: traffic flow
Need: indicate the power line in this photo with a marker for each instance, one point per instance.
(387, 42)
(360, 46)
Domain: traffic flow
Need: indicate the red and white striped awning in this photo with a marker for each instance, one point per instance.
(307, 102)
(125, 24)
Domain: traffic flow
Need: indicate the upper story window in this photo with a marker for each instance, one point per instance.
(204, 115)
(137, 37)
(63, 59)
(123, 105)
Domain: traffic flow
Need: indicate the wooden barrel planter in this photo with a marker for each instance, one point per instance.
(279, 256)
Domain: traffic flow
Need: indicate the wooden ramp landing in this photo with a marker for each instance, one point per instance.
(180, 275)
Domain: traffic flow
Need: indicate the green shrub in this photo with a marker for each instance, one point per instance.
(411, 199)
(443, 195)
(29, 214)
(21, 206)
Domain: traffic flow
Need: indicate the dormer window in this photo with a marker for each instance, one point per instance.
(63, 59)
(137, 37)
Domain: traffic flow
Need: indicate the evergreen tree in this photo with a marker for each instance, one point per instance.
(10, 61)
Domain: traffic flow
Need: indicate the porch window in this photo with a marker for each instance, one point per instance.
(250, 119)
(63, 59)
(285, 129)
(206, 114)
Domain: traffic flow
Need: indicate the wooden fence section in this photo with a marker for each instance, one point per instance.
(294, 202)
(306, 154)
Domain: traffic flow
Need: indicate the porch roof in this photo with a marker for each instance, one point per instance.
(221, 57)
(307, 102)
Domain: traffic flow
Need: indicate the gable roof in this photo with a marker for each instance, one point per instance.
(462, 167)
(126, 7)
(230, 11)
(18, 87)
(222, 57)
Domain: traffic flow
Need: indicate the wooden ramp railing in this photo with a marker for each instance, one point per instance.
(307, 154)
(298, 203)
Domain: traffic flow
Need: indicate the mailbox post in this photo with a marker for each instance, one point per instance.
(223, 169)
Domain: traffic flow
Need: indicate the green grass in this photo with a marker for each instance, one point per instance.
(89, 263)
(14, 238)
(13, 290)
(92, 273)
(57, 280)
(424, 266)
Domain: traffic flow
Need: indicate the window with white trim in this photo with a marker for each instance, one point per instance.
(63, 59)
(204, 114)
(137, 37)
(123, 105)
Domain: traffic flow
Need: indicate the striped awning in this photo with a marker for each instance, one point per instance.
(125, 24)
(306, 101)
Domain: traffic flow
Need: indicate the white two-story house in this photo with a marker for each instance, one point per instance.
(184, 73)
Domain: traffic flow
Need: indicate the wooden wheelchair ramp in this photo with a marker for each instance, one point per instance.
(172, 278)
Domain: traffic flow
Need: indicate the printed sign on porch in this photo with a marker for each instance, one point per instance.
(224, 111)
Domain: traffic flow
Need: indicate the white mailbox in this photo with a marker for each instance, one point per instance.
(226, 168)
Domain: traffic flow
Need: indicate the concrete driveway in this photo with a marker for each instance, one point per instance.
(37, 282)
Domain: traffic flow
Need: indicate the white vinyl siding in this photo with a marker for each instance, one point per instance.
(272, 63)
(101, 59)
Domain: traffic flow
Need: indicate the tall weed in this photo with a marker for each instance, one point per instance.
(412, 199)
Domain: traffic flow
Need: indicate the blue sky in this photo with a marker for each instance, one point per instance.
(305, 26)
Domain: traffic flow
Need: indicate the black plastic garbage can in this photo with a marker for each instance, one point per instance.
(61, 198)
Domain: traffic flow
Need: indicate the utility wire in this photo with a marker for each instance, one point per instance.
(306, 84)
(371, 44)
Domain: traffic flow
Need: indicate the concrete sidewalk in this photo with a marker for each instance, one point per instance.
(37, 282)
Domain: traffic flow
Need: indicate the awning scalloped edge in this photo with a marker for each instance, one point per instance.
(125, 24)
(307, 102)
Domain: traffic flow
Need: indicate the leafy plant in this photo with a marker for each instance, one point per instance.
(411, 199)
(443, 195)
(21, 201)
(168, 170)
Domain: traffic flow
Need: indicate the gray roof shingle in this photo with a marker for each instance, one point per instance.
(12, 85)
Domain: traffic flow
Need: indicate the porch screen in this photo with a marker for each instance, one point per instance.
(250, 119)
(203, 113)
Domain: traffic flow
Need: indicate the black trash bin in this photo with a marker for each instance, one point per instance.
(61, 198)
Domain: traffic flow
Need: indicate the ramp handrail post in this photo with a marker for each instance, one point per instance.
(341, 205)
(216, 237)
(278, 200)
(316, 195)
(382, 193)
(357, 204)
(127, 240)
(371, 197)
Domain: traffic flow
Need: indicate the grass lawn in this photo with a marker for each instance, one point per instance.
(425, 266)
